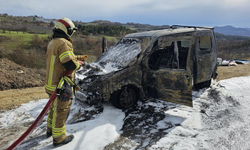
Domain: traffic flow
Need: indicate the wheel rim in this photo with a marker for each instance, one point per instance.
(127, 98)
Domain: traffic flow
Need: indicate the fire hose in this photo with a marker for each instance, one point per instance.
(37, 121)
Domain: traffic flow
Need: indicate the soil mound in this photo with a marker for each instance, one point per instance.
(14, 76)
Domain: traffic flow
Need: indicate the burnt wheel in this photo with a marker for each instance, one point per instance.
(124, 98)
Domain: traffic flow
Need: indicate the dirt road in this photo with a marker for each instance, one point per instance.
(13, 98)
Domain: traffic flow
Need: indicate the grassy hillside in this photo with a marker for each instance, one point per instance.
(29, 49)
(14, 39)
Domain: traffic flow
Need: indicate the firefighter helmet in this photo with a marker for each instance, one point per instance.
(66, 25)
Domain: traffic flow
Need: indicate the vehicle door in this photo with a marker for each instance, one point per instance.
(167, 69)
(205, 57)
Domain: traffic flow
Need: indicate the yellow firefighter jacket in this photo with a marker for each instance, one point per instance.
(59, 52)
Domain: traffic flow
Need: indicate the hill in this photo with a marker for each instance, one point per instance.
(230, 30)
(28, 36)
(36, 24)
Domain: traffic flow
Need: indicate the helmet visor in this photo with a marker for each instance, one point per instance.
(71, 31)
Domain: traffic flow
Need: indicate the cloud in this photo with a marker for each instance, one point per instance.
(230, 4)
(139, 11)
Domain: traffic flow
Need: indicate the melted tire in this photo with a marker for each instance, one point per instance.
(124, 98)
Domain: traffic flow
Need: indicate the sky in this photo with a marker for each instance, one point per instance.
(153, 12)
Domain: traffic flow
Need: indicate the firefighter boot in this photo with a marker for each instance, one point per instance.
(66, 141)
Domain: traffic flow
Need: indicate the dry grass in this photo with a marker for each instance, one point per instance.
(226, 72)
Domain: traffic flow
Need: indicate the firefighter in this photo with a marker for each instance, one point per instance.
(59, 59)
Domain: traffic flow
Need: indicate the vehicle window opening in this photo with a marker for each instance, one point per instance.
(172, 56)
(205, 43)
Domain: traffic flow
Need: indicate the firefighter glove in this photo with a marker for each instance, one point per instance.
(66, 92)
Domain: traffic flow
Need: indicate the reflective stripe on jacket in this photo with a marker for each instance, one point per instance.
(59, 51)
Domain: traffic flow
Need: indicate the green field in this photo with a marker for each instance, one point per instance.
(15, 40)
(110, 38)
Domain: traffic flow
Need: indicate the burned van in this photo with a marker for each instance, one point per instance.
(163, 64)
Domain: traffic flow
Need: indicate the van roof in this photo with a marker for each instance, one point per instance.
(170, 31)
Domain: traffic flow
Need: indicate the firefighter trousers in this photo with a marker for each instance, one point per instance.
(58, 114)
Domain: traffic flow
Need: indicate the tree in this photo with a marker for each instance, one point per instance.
(51, 24)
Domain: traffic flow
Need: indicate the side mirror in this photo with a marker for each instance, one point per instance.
(104, 44)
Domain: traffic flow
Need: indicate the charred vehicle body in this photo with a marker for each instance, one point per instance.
(164, 64)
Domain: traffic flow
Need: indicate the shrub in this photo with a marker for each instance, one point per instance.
(31, 59)
(4, 39)
(37, 42)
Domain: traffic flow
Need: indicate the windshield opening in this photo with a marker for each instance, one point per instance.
(122, 53)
